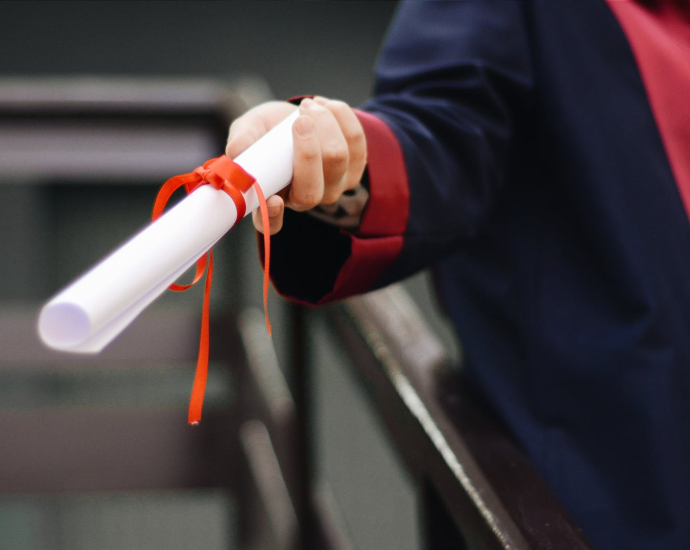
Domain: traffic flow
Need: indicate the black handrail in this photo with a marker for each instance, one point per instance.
(460, 458)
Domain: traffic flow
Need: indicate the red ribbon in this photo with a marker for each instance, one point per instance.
(223, 174)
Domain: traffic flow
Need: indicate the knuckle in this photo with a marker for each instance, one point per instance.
(306, 200)
(308, 154)
(356, 130)
(354, 136)
(335, 155)
(305, 194)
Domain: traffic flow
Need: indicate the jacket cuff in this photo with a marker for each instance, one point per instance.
(315, 263)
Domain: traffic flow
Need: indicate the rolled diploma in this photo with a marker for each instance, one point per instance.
(92, 311)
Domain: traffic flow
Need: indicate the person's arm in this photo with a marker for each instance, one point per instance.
(451, 78)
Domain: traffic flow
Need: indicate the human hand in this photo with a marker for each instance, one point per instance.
(330, 152)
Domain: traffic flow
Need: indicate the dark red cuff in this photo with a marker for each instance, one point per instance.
(388, 207)
(316, 263)
(379, 240)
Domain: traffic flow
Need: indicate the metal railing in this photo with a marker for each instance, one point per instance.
(473, 481)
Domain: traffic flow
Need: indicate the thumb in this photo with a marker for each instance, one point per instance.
(276, 209)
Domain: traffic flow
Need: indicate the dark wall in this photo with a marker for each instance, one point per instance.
(298, 47)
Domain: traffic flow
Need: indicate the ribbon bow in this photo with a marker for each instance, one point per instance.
(225, 175)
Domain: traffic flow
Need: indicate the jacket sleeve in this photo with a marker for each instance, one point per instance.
(451, 80)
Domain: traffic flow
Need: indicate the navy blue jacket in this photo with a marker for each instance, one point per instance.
(513, 147)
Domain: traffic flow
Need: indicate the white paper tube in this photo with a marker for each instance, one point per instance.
(87, 315)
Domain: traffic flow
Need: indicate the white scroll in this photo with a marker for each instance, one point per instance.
(92, 311)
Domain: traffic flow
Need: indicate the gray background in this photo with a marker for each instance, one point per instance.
(320, 47)
(298, 47)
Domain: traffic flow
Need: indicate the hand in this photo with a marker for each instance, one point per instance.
(330, 152)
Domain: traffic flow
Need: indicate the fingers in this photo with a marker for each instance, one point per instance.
(307, 186)
(330, 152)
(354, 137)
(334, 149)
(275, 215)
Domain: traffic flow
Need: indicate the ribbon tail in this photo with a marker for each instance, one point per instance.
(196, 401)
(223, 174)
(263, 208)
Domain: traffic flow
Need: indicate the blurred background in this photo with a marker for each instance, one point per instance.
(55, 221)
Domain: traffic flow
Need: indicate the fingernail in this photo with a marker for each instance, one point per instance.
(304, 126)
(307, 102)
(320, 100)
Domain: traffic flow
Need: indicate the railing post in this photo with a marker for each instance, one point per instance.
(300, 383)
